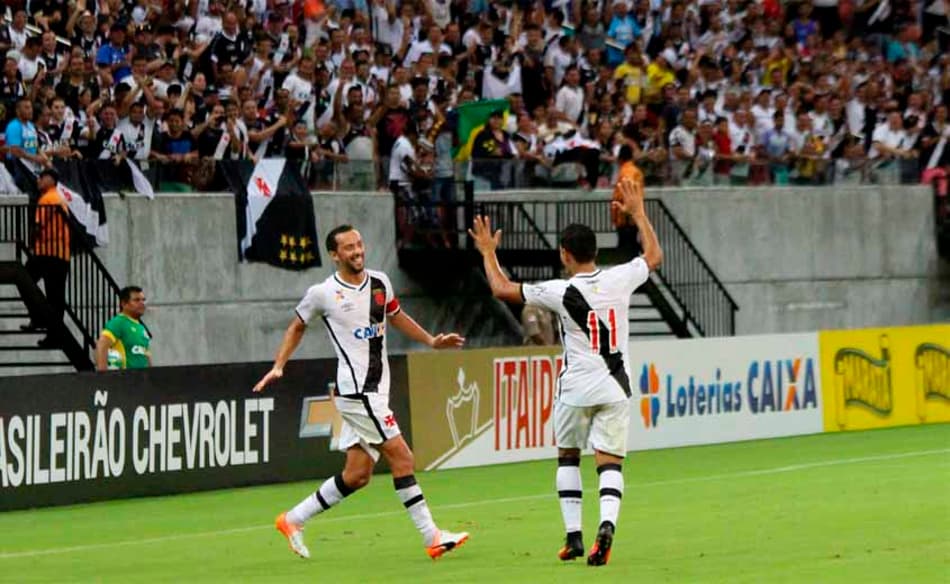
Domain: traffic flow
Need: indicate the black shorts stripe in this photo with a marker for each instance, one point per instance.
(569, 494)
(404, 482)
(322, 501)
(609, 492)
(372, 416)
(417, 499)
(346, 358)
(341, 486)
(609, 466)
(568, 461)
(578, 308)
(377, 315)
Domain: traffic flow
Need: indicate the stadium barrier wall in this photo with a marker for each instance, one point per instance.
(493, 406)
(82, 437)
(801, 259)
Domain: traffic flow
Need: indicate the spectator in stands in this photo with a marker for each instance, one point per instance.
(683, 147)
(889, 147)
(108, 141)
(843, 70)
(571, 98)
(175, 145)
(17, 33)
(407, 171)
(934, 152)
(302, 149)
(113, 58)
(777, 148)
(491, 150)
(23, 145)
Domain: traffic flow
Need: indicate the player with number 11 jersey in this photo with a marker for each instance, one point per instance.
(592, 404)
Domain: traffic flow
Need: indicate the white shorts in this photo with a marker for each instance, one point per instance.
(367, 422)
(603, 426)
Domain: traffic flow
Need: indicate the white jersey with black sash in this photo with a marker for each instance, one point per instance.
(593, 309)
(355, 317)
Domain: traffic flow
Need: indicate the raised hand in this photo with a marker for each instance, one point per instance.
(632, 203)
(485, 241)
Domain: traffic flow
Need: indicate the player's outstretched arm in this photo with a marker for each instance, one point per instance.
(409, 327)
(632, 205)
(292, 336)
(487, 242)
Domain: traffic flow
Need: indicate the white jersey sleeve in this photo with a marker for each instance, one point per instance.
(548, 294)
(630, 275)
(312, 304)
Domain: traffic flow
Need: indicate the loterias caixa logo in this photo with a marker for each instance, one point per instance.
(779, 385)
(932, 373)
(863, 380)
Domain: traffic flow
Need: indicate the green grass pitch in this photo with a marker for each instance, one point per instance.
(857, 507)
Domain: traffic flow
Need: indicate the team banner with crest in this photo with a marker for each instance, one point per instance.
(276, 223)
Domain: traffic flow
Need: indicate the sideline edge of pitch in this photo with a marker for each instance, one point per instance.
(357, 517)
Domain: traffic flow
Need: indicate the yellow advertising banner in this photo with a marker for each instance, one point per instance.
(876, 378)
(484, 406)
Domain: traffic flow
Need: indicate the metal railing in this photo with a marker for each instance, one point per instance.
(687, 276)
(530, 243)
(47, 233)
(202, 175)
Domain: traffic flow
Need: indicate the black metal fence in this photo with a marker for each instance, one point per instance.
(530, 242)
(688, 277)
(46, 239)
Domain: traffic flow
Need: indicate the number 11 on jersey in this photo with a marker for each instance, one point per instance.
(593, 325)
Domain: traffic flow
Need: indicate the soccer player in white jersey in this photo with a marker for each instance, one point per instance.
(593, 394)
(356, 305)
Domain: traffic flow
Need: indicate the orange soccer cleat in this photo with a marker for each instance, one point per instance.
(294, 535)
(445, 542)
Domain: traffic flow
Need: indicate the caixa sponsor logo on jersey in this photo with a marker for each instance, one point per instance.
(768, 386)
(370, 332)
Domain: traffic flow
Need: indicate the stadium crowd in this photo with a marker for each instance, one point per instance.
(706, 92)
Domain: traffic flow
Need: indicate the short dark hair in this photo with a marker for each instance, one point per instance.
(126, 293)
(625, 154)
(579, 241)
(331, 237)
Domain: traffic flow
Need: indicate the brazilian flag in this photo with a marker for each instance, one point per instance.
(472, 117)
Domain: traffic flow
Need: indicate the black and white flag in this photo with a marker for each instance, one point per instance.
(123, 176)
(78, 186)
(275, 218)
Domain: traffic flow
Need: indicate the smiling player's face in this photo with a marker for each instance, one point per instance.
(349, 254)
